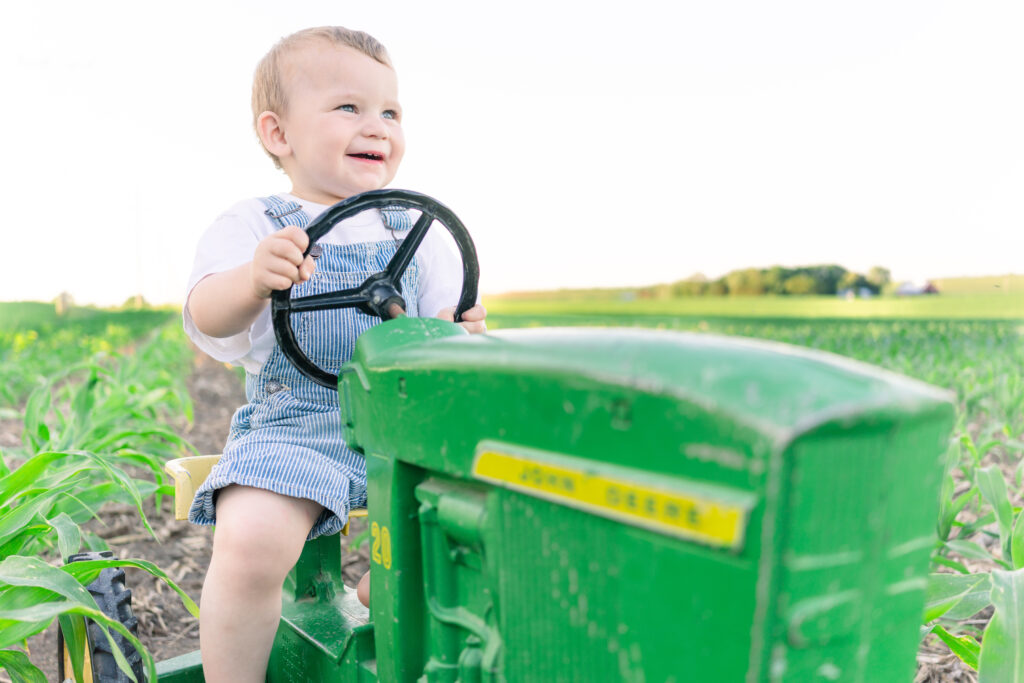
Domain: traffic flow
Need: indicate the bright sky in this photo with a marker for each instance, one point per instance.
(583, 143)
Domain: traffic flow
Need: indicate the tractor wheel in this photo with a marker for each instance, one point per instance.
(115, 601)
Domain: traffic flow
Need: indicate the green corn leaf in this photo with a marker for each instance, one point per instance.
(16, 598)
(36, 434)
(952, 564)
(89, 610)
(966, 593)
(69, 536)
(119, 657)
(993, 489)
(82, 402)
(31, 571)
(989, 445)
(969, 529)
(127, 485)
(964, 647)
(81, 570)
(30, 596)
(20, 669)
(14, 632)
(30, 473)
(952, 508)
(1002, 649)
(969, 549)
(24, 543)
(93, 542)
(76, 639)
(1017, 542)
(14, 522)
(968, 443)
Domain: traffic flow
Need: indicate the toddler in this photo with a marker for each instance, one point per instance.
(325, 107)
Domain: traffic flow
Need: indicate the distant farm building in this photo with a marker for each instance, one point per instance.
(916, 288)
(856, 293)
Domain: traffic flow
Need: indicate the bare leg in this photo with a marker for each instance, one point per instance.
(258, 539)
(363, 590)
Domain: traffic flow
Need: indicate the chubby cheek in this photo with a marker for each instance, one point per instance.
(397, 150)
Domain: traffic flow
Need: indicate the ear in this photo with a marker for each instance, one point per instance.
(270, 128)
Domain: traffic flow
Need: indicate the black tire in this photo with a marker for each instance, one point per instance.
(115, 601)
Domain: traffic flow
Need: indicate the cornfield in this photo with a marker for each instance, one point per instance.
(93, 393)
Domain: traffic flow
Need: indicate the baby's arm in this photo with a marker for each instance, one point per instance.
(226, 303)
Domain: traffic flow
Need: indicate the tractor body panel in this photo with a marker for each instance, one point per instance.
(618, 505)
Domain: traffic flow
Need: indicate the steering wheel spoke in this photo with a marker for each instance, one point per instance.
(346, 298)
(400, 261)
(380, 294)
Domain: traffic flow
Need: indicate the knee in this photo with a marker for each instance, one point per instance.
(256, 553)
(260, 534)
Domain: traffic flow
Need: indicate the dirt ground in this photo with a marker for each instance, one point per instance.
(180, 549)
(183, 550)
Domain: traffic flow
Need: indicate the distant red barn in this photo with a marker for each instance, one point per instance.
(916, 288)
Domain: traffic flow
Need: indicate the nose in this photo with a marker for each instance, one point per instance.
(374, 127)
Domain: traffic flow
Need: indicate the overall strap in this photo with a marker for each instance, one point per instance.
(284, 212)
(396, 218)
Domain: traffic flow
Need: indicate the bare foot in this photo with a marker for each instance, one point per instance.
(363, 590)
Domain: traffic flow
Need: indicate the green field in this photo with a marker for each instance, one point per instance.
(36, 343)
(970, 344)
(964, 306)
(990, 284)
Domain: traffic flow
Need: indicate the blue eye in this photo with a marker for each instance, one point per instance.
(390, 114)
(347, 107)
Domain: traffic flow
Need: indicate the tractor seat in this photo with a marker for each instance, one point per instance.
(189, 474)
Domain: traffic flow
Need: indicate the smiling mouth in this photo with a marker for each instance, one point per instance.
(369, 156)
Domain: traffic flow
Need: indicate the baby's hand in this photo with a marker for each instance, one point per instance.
(278, 262)
(472, 320)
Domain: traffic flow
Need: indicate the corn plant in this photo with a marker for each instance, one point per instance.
(32, 592)
(35, 343)
(93, 432)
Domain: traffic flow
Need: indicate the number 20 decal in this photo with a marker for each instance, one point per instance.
(380, 551)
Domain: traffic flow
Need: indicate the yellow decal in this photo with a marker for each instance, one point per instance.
(699, 518)
(380, 551)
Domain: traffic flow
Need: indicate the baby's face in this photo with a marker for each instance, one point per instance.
(343, 124)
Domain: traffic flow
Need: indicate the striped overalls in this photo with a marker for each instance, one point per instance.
(287, 438)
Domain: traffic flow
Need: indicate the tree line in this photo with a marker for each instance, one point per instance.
(777, 280)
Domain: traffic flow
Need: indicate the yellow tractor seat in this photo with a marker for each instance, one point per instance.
(189, 474)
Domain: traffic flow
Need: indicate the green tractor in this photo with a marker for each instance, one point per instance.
(609, 505)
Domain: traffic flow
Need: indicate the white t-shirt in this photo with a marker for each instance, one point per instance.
(231, 241)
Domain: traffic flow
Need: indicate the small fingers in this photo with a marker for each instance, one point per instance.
(295, 235)
(306, 269)
(287, 250)
(270, 282)
(472, 319)
(475, 314)
(475, 328)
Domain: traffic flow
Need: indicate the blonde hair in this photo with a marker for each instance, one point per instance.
(268, 89)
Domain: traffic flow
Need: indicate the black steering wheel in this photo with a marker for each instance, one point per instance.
(381, 293)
